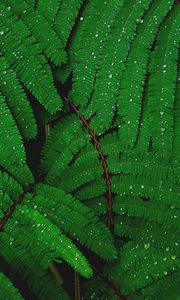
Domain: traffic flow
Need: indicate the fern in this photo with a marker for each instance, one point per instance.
(131, 86)
(8, 290)
(34, 222)
(12, 150)
(23, 55)
(161, 94)
(175, 151)
(101, 199)
(45, 36)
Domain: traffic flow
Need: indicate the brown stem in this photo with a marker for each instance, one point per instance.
(55, 273)
(77, 286)
(47, 130)
(103, 161)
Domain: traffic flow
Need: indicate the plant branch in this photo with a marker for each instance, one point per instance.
(102, 158)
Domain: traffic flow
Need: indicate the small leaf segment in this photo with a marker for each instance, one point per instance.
(12, 208)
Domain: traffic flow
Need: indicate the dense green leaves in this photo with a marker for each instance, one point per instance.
(8, 291)
(12, 150)
(39, 227)
(131, 86)
(119, 148)
(162, 85)
(24, 60)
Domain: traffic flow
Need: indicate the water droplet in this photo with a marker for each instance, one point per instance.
(146, 246)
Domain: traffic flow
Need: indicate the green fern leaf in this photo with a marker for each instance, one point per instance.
(11, 148)
(39, 281)
(161, 91)
(8, 291)
(43, 33)
(131, 86)
(86, 65)
(175, 150)
(108, 78)
(76, 219)
(28, 67)
(11, 89)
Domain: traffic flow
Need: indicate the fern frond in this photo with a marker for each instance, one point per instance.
(75, 219)
(97, 289)
(97, 205)
(76, 39)
(23, 55)
(22, 174)
(8, 291)
(175, 150)
(116, 48)
(166, 288)
(154, 211)
(111, 144)
(147, 187)
(44, 34)
(80, 175)
(10, 186)
(39, 219)
(140, 266)
(47, 9)
(131, 86)
(135, 162)
(38, 279)
(47, 234)
(11, 145)
(65, 18)
(62, 145)
(162, 84)
(91, 190)
(143, 140)
(21, 110)
(86, 66)
(160, 237)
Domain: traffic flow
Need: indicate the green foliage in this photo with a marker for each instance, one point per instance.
(38, 229)
(131, 86)
(7, 289)
(117, 148)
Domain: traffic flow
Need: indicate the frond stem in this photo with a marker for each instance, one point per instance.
(102, 158)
